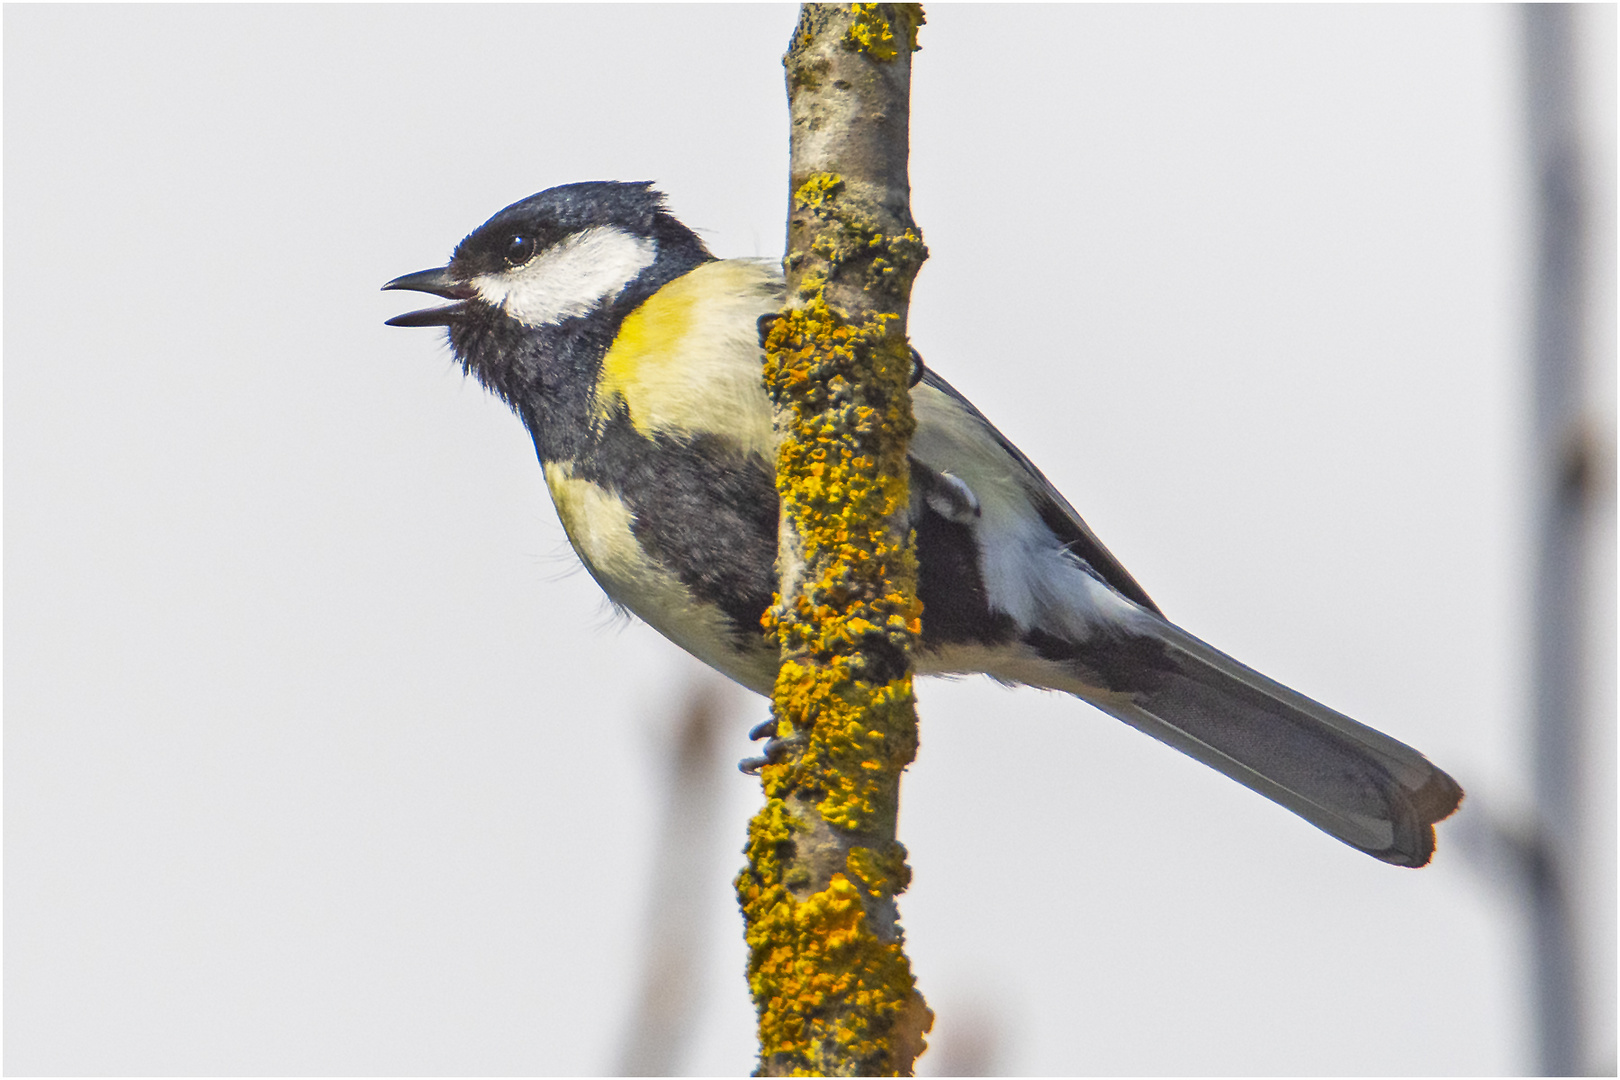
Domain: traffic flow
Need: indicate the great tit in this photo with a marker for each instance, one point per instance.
(632, 356)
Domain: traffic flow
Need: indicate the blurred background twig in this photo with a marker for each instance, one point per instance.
(674, 953)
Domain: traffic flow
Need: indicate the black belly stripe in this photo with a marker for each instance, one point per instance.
(702, 507)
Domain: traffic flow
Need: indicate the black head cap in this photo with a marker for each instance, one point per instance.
(546, 217)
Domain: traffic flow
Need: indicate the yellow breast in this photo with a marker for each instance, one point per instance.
(688, 361)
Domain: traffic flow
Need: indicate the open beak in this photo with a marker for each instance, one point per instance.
(440, 282)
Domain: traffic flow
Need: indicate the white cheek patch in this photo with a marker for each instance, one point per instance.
(569, 278)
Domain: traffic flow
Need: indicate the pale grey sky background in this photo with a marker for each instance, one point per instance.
(320, 752)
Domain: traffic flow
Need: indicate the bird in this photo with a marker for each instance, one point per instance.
(632, 356)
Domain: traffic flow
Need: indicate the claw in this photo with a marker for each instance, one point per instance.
(762, 729)
(776, 750)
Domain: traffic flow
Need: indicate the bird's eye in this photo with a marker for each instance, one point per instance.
(519, 249)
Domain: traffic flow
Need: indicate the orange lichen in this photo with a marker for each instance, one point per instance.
(828, 988)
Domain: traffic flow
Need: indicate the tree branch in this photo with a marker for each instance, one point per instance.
(827, 967)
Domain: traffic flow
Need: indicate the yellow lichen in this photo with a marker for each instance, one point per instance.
(870, 33)
(817, 189)
(830, 990)
(915, 21)
(882, 870)
(847, 237)
(843, 478)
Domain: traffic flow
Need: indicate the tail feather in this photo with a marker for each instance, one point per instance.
(1359, 785)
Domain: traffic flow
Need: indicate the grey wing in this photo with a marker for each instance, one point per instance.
(954, 437)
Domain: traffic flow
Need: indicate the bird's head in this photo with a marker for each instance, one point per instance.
(537, 291)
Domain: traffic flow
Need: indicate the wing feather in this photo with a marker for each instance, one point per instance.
(954, 437)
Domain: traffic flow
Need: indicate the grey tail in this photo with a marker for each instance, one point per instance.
(1373, 792)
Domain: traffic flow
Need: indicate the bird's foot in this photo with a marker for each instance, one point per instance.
(774, 750)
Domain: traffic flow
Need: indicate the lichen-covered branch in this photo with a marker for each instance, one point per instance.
(827, 967)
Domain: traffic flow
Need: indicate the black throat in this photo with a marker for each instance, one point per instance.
(547, 374)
